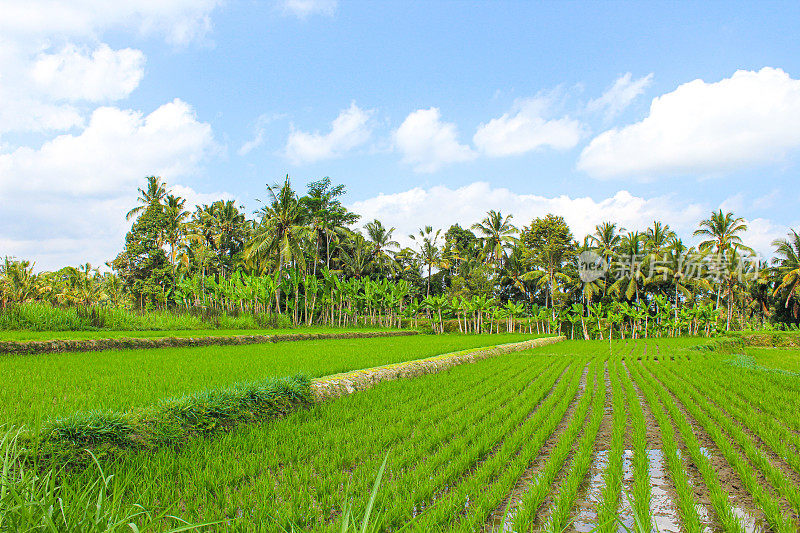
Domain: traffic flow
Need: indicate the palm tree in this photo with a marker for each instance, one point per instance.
(156, 191)
(282, 227)
(721, 233)
(788, 265)
(381, 238)
(628, 266)
(606, 239)
(176, 222)
(429, 251)
(497, 233)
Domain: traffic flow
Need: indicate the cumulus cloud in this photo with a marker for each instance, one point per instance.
(304, 8)
(349, 130)
(749, 118)
(115, 150)
(179, 21)
(620, 95)
(442, 206)
(526, 129)
(105, 74)
(427, 143)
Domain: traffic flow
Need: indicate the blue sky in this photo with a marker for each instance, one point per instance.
(429, 112)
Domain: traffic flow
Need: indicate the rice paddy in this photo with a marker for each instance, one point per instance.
(44, 386)
(577, 436)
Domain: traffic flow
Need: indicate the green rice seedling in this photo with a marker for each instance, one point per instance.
(719, 498)
(641, 462)
(33, 498)
(533, 498)
(606, 515)
(50, 386)
(687, 505)
(560, 517)
(699, 408)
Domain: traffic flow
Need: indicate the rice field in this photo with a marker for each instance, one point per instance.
(577, 436)
(45, 386)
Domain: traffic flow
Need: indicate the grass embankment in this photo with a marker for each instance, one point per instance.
(21, 336)
(55, 385)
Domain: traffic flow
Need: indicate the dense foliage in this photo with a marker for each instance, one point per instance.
(303, 258)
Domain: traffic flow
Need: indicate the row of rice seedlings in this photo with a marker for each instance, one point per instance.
(641, 461)
(315, 478)
(782, 441)
(39, 388)
(612, 478)
(456, 423)
(565, 501)
(776, 403)
(510, 463)
(719, 498)
(456, 457)
(457, 420)
(687, 505)
(728, 417)
(541, 487)
(514, 443)
(703, 412)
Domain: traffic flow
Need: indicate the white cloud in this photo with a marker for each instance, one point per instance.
(106, 74)
(349, 130)
(304, 8)
(442, 206)
(700, 127)
(117, 148)
(760, 234)
(428, 143)
(179, 21)
(620, 95)
(526, 130)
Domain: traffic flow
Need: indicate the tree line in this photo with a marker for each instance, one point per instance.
(306, 256)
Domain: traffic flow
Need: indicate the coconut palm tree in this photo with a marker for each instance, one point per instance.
(628, 266)
(497, 234)
(175, 231)
(429, 253)
(281, 230)
(788, 265)
(156, 191)
(384, 245)
(721, 234)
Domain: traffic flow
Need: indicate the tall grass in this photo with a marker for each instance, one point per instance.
(34, 499)
(38, 316)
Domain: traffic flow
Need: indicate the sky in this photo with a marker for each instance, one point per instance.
(430, 113)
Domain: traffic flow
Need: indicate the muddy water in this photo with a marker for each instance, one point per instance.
(586, 519)
(662, 506)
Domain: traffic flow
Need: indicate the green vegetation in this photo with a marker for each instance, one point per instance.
(179, 333)
(303, 261)
(504, 440)
(54, 385)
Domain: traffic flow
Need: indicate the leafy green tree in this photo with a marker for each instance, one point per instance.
(143, 264)
(549, 245)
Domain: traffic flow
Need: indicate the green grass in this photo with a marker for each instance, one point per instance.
(44, 386)
(111, 334)
(456, 443)
(780, 358)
